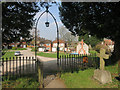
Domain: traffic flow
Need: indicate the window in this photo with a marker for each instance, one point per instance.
(48, 44)
(62, 44)
(41, 44)
(47, 48)
(55, 45)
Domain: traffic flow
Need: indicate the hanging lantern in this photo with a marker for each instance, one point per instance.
(47, 24)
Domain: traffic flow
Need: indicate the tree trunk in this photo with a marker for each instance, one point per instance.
(117, 54)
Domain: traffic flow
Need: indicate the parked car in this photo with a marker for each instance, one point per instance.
(17, 53)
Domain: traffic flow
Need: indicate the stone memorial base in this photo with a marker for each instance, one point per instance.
(102, 76)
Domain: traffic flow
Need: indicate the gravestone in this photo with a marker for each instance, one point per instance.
(102, 75)
(102, 56)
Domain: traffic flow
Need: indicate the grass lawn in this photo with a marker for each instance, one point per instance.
(23, 82)
(18, 49)
(8, 54)
(33, 49)
(21, 49)
(93, 52)
(83, 79)
(52, 55)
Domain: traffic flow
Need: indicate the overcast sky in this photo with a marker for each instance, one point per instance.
(49, 32)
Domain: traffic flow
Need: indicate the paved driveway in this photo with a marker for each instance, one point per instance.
(27, 53)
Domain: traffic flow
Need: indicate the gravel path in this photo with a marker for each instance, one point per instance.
(56, 83)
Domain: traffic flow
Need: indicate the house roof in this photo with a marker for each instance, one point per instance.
(72, 44)
(42, 47)
(60, 41)
(45, 41)
(108, 42)
(24, 43)
(15, 43)
(82, 42)
(72, 49)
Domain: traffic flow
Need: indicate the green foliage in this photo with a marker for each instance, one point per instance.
(4, 51)
(100, 19)
(83, 79)
(17, 20)
(51, 55)
(90, 40)
(21, 49)
(23, 82)
(93, 52)
(33, 49)
(14, 48)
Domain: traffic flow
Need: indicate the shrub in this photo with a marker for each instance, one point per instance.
(21, 49)
(33, 49)
(14, 48)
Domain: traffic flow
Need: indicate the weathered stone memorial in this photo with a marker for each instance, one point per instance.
(102, 75)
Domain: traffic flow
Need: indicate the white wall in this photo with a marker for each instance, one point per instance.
(65, 49)
(61, 48)
(60, 45)
(24, 46)
(85, 47)
(41, 49)
(54, 44)
(54, 49)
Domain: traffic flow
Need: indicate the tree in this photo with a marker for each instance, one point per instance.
(62, 31)
(66, 35)
(17, 20)
(90, 40)
(100, 19)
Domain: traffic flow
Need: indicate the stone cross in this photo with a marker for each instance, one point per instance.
(102, 56)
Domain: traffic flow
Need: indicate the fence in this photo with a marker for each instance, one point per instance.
(18, 66)
(78, 62)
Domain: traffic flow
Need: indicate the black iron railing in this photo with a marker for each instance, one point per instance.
(18, 66)
(78, 62)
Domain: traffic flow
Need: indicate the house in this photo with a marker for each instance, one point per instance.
(14, 44)
(48, 45)
(109, 43)
(41, 48)
(18, 44)
(23, 44)
(82, 48)
(45, 45)
(71, 46)
(61, 45)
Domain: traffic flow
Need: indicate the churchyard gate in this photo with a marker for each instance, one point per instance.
(16, 67)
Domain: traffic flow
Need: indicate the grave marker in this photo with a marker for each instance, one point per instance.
(102, 56)
(102, 75)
